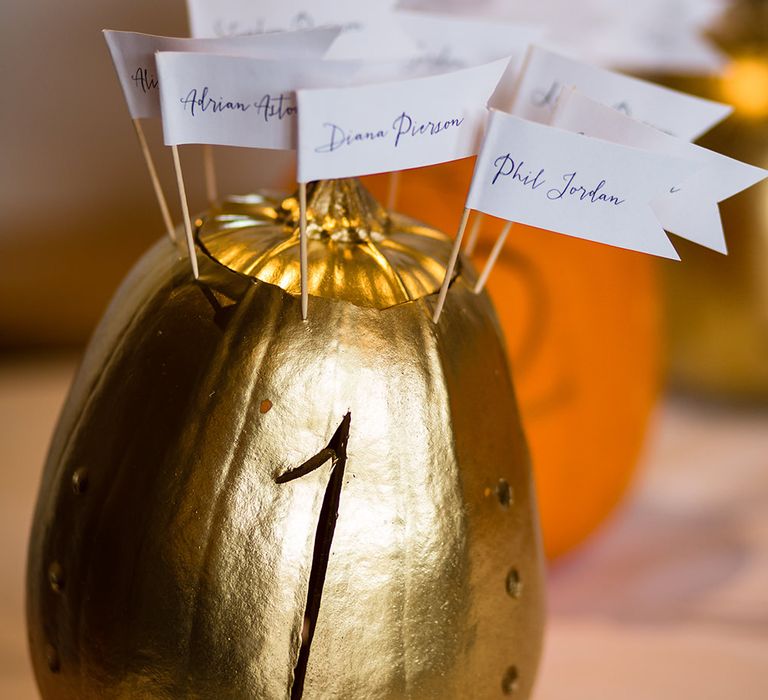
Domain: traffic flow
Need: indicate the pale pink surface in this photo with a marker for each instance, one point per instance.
(669, 602)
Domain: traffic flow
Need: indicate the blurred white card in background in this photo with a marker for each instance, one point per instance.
(369, 29)
(394, 126)
(459, 42)
(545, 74)
(689, 209)
(658, 35)
(667, 36)
(573, 184)
(134, 57)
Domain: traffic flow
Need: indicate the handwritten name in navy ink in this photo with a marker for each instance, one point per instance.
(507, 167)
(144, 81)
(548, 97)
(303, 20)
(204, 103)
(441, 58)
(594, 195)
(403, 127)
(269, 107)
(339, 137)
(542, 98)
(275, 107)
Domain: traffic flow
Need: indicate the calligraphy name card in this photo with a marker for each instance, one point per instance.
(134, 57)
(368, 29)
(392, 126)
(688, 209)
(546, 74)
(251, 102)
(572, 184)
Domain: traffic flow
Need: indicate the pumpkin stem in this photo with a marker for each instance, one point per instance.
(342, 210)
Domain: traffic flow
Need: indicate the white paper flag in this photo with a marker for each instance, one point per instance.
(237, 101)
(565, 182)
(134, 57)
(394, 126)
(461, 42)
(369, 29)
(689, 209)
(545, 74)
(639, 35)
(657, 35)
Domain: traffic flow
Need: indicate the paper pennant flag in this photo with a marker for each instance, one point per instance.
(392, 126)
(250, 102)
(369, 29)
(659, 35)
(460, 42)
(689, 209)
(134, 57)
(632, 34)
(572, 184)
(545, 74)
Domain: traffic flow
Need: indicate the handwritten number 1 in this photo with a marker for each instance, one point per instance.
(336, 451)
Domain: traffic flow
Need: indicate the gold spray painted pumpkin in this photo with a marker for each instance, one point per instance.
(581, 322)
(240, 504)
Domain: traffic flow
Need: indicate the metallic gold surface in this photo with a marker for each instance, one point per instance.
(569, 387)
(718, 306)
(184, 512)
(259, 237)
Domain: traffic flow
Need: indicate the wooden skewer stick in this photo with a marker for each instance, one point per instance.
(451, 266)
(185, 211)
(493, 258)
(209, 167)
(474, 233)
(303, 248)
(159, 194)
(394, 187)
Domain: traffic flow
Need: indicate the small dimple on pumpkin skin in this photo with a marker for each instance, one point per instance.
(56, 577)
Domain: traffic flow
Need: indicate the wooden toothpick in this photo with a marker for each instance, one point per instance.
(394, 186)
(209, 168)
(303, 248)
(492, 258)
(474, 233)
(159, 194)
(185, 212)
(451, 266)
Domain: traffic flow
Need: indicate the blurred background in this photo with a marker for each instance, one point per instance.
(643, 385)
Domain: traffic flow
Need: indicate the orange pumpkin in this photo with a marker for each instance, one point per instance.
(582, 327)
